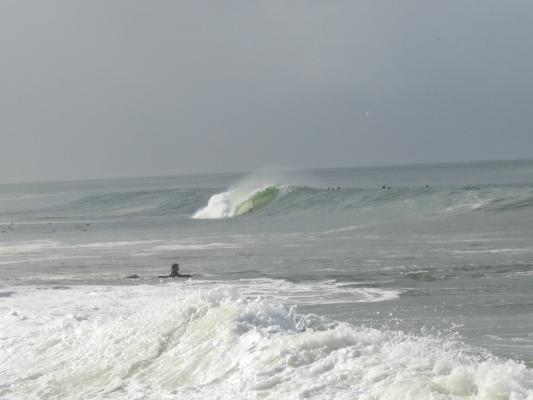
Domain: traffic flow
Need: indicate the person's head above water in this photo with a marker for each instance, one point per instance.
(174, 270)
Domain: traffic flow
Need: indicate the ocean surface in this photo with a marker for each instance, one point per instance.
(408, 282)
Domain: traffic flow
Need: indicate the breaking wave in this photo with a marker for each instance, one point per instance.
(237, 201)
(179, 342)
(272, 198)
(391, 203)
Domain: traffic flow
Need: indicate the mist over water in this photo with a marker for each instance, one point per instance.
(406, 282)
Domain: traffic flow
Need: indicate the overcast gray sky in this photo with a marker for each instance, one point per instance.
(106, 88)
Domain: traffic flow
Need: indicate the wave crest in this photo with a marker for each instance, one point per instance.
(197, 344)
(237, 201)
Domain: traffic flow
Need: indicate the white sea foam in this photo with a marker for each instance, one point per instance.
(323, 292)
(163, 342)
(239, 198)
(39, 246)
(220, 205)
(196, 246)
(29, 246)
(492, 251)
(113, 244)
(39, 251)
(344, 229)
(228, 204)
(471, 204)
(41, 259)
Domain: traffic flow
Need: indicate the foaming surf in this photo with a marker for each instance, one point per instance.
(377, 204)
(251, 193)
(178, 341)
(282, 193)
(298, 292)
(238, 201)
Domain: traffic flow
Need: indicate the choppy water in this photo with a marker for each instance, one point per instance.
(300, 290)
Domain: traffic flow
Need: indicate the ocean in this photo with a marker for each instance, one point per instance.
(405, 282)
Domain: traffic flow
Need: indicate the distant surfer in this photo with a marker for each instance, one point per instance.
(175, 272)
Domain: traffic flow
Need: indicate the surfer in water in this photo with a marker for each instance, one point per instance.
(175, 272)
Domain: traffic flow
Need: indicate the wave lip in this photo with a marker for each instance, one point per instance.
(238, 201)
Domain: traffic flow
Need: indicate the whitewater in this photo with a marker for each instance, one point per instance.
(409, 282)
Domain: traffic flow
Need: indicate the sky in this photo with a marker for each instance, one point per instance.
(100, 88)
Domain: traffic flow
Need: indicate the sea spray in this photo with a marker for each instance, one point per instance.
(251, 193)
(176, 342)
(454, 255)
(237, 201)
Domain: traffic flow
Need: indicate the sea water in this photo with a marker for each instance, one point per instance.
(411, 282)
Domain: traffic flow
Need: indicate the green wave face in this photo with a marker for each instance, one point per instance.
(257, 201)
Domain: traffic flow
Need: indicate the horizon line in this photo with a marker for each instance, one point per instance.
(191, 174)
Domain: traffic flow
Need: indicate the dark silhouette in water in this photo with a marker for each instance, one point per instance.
(175, 272)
